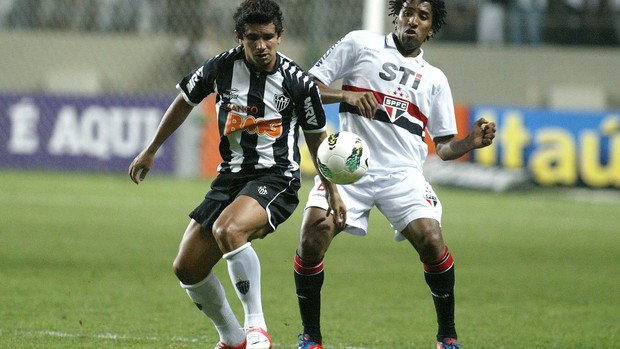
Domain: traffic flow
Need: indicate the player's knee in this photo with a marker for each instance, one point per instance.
(313, 242)
(226, 235)
(431, 238)
(183, 272)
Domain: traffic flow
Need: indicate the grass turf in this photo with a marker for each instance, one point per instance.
(85, 262)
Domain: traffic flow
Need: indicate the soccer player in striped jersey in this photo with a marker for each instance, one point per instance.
(391, 97)
(263, 100)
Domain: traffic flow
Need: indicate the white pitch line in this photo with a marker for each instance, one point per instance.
(112, 336)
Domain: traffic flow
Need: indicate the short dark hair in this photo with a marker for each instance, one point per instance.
(257, 12)
(438, 7)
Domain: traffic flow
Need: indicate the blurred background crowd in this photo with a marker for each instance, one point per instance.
(80, 66)
(517, 22)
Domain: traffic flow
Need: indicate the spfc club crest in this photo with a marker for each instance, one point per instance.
(431, 199)
(281, 102)
(395, 107)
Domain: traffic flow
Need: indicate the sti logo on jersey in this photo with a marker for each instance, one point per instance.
(395, 107)
(392, 72)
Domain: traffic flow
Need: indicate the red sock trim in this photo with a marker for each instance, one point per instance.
(305, 268)
(440, 265)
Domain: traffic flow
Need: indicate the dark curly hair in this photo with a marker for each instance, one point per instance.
(438, 7)
(258, 12)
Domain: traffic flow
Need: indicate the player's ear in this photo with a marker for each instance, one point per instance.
(238, 36)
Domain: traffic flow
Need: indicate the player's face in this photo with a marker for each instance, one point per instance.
(413, 25)
(261, 45)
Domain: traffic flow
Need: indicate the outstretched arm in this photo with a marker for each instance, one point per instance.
(337, 206)
(364, 101)
(173, 118)
(481, 135)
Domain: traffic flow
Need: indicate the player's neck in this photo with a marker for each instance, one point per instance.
(403, 51)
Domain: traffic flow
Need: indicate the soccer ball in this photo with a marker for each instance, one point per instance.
(343, 157)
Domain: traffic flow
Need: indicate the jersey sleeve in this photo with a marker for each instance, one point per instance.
(338, 61)
(199, 83)
(308, 106)
(442, 120)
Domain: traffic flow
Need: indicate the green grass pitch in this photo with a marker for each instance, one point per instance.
(85, 262)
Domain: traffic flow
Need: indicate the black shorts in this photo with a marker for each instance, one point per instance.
(276, 193)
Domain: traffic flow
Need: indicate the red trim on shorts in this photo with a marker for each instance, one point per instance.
(440, 265)
(305, 268)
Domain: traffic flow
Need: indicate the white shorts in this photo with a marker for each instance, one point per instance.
(401, 197)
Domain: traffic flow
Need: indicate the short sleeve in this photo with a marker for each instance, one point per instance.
(442, 120)
(198, 84)
(338, 61)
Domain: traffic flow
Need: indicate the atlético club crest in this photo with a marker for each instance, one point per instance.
(281, 102)
(243, 286)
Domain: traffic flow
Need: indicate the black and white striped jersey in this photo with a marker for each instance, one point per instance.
(259, 113)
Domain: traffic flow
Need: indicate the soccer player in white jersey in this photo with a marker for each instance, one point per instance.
(390, 96)
(263, 99)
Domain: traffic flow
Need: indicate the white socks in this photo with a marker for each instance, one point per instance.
(244, 271)
(209, 297)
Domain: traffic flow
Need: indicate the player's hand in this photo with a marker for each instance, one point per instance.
(140, 166)
(364, 101)
(482, 133)
(337, 209)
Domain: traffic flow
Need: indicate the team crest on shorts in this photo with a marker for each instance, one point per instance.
(431, 199)
(262, 190)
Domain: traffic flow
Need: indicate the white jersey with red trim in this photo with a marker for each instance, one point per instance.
(414, 96)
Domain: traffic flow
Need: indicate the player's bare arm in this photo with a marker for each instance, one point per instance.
(481, 135)
(337, 207)
(175, 115)
(364, 101)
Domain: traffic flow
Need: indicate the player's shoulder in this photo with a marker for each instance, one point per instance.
(437, 73)
(226, 57)
(363, 36)
(289, 68)
(292, 73)
(433, 70)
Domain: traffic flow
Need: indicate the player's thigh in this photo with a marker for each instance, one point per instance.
(243, 220)
(408, 197)
(358, 198)
(198, 254)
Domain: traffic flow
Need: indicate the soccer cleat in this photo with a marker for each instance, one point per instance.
(222, 345)
(307, 343)
(257, 338)
(448, 343)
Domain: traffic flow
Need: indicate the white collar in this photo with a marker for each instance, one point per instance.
(389, 42)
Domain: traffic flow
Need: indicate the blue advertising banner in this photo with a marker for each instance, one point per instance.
(557, 147)
(79, 133)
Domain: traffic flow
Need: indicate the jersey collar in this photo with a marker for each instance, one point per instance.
(389, 43)
(275, 67)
